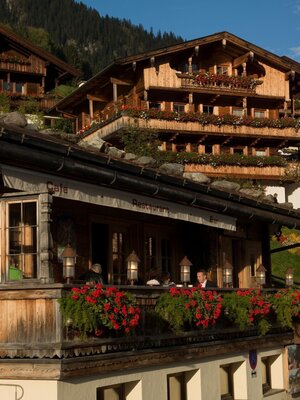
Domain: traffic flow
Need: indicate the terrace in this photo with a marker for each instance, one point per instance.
(32, 327)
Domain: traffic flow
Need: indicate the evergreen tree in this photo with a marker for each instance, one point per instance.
(79, 35)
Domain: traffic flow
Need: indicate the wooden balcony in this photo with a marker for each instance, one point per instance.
(111, 127)
(208, 86)
(23, 67)
(242, 172)
(32, 329)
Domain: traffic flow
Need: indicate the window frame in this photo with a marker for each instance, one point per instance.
(5, 255)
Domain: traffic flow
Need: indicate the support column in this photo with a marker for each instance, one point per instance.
(46, 242)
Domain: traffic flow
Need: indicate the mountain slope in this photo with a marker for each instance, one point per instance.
(79, 35)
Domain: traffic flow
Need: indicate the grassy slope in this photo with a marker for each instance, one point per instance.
(288, 258)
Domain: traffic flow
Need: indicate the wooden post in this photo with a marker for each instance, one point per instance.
(91, 108)
(46, 242)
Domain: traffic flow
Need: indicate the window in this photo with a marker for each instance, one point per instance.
(233, 381)
(238, 151)
(7, 87)
(176, 387)
(122, 391)
(272, 374)
(239, 112)
(178, 107)
(153, 105)
(21, 238)
(208, 149)
(259, 113)
(208, 109)
(222, 70)
(260, 153)
(166, 255)
(118, 258)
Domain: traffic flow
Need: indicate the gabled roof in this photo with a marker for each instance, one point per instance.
(19, 43)
(233, 43)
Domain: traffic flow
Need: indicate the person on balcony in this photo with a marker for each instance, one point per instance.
(153, 278)
(166, 279)
(202, 281)
(93, 275)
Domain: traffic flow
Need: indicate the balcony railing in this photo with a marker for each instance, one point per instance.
(218, 82)
(163, 121)
(32, 326)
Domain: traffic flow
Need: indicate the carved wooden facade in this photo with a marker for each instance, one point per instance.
(218, 95)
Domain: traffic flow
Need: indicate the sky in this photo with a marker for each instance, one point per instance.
(271, 24)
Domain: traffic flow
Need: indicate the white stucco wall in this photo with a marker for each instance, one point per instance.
(202, 381)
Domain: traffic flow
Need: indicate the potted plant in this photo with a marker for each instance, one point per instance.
(248, 308)
(193, 307)
(95, 309)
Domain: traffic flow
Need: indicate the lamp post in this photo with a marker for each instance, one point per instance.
(261, 275)
(132, 267)
(227, 274)
(69, 261)
(289, 277)
(185, 270)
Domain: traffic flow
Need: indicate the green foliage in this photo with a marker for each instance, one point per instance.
(4, 103)
(80, 35)
(189, 307)
(40, 38)
(142, 142)
(172, 309)
(28, 105)
(91, 309)
(248, 308)
(216, 160)
(288, 258)
(64, 125)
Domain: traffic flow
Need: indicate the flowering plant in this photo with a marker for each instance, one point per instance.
(248, 308)
(244, 82)
(199, 308)
(286, 303)
(205, 119)
(91, 309)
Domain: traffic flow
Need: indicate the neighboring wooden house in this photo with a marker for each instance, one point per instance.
(54, 193)
(218, 96)
(27, 70)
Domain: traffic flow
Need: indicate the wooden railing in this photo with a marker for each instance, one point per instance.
(32, 327)
(22, 67)
(189, 81)
(120, 122)
(266, 172)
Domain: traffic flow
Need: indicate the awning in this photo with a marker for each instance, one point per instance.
(35, 182)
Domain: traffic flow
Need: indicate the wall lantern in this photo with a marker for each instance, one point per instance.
(261, 275)
(196, 50)
(69, 261)
(227, 274)
(289, 276)
(185, 270)
(132, 267)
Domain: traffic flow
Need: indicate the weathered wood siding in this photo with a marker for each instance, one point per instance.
(221, 171)
(29, 317)
(274, 83)
(166, 77)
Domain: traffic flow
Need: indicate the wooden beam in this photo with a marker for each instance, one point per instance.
(290, 246)
(240, 60)
(254, 142)
(97, 98)
(121, 82)
(227, 140)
